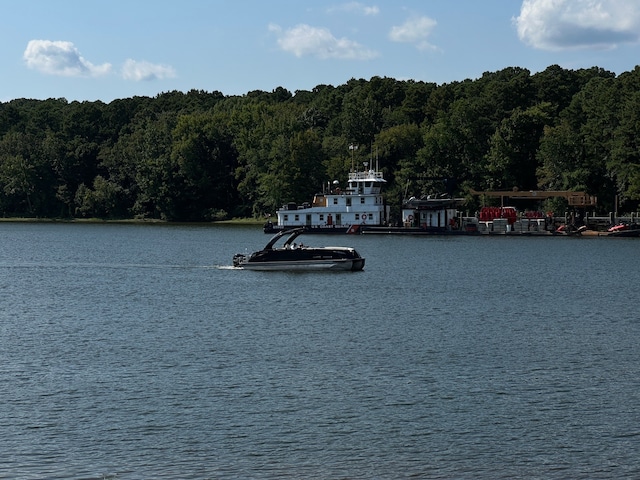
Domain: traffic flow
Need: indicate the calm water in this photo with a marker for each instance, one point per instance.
(134, 352)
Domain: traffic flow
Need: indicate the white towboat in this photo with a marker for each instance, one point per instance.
(292, 256)
(338, 210)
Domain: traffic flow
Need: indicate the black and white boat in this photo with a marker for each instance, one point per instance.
(296, 256)
(338, 210)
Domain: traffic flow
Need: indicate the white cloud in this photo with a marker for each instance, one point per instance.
(356, 7)
(567, 24)
(416, 30)
(305, 40)
(145, 71)
(61, 58)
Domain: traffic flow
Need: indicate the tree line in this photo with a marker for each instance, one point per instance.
(203, 156)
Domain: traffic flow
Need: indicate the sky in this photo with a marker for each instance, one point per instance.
(90, 50)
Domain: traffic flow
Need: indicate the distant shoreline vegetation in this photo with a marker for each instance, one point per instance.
(132, 221)
(205, 157)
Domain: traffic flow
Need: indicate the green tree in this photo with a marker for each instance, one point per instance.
(101, 201)
(512, 158)
(296, 173)
(454, 147)
(206, 160)
(507, 90)
(598, 105)
(624, 162)
(25, 179)
(397, 147)
(144, 160)
(361, 117)
(560, 159)
(412, 109)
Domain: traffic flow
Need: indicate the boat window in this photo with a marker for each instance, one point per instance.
(335, 201)
(348, 202)
(286, 218)
(322, 217)
(362, 200)
(297, 218)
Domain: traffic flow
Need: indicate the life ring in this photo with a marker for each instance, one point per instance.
(410, 218)
(363, 217)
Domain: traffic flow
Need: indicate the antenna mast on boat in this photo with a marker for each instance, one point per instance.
(377, 160)
(352, 147)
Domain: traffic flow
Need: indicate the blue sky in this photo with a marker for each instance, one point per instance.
(103, 50)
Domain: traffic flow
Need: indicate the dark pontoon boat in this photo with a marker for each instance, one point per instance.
(292, 256)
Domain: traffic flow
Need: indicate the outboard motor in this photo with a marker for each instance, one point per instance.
(239, 259)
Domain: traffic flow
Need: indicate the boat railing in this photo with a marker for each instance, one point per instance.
(370, 175)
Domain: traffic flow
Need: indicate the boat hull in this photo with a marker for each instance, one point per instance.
(345, 265)
(625, 233)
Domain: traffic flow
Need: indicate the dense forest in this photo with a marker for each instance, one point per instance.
(202, 156)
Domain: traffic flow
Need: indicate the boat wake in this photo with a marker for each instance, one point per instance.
(106, 266)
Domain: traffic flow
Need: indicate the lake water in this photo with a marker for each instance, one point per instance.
(135, 352)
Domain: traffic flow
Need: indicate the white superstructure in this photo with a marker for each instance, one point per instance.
(339, 210)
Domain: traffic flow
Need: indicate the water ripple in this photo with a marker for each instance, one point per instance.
(134, 353)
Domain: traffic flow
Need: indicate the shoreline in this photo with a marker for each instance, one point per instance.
(133, 221)
(255, 222)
